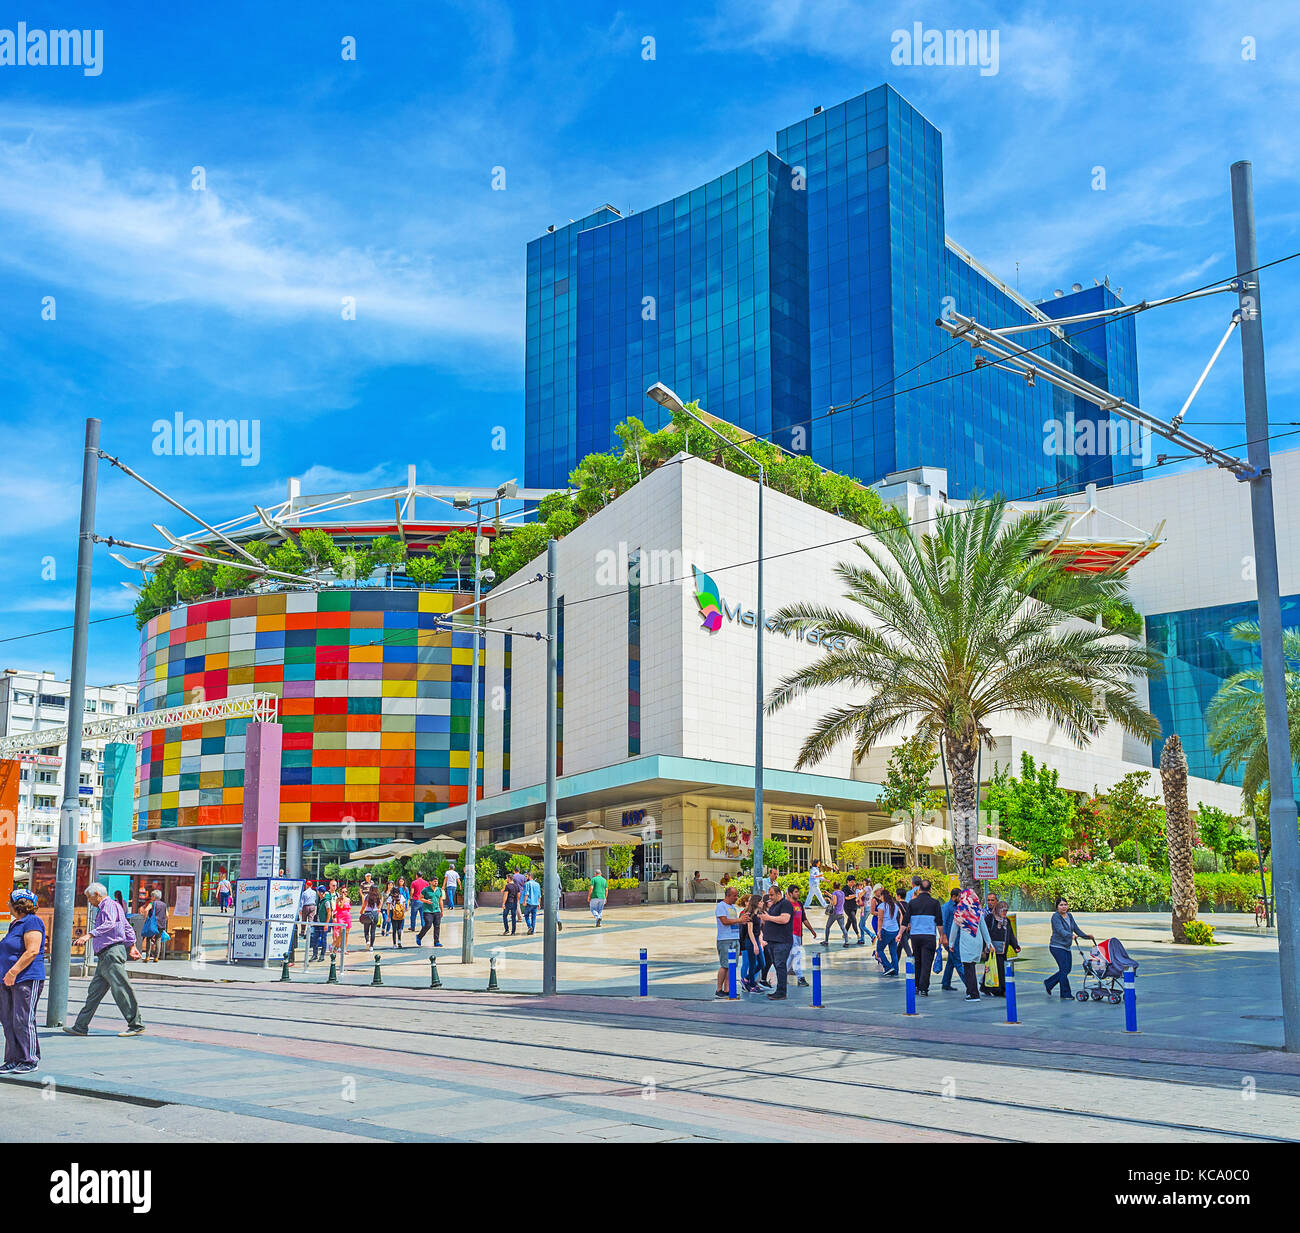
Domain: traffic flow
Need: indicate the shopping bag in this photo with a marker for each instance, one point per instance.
(938, 961)
(991, 975)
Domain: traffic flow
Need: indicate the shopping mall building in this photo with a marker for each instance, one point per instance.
(656, 710)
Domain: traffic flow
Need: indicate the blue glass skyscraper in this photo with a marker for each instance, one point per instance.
(796, 296)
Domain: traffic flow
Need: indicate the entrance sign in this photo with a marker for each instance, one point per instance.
(986, 861)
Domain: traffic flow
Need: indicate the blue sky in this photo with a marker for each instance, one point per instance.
(372, 178)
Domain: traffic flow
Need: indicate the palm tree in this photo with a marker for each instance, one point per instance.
(1178, 831)
(960, 624)
(1235, 715)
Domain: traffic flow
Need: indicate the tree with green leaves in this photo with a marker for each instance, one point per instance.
(1034, 812)
(1235, 715)
(906, 785)
(952, 629)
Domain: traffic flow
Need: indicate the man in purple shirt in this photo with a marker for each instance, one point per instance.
(110, 937)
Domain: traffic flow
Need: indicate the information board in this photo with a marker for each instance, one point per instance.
(986, 861)
(248, 938)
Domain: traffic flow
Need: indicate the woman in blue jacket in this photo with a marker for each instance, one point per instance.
(1064, 930)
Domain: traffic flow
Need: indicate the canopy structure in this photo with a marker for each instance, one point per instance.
(1094, 541)
(928, 838)
(382, 852)
(581, 839)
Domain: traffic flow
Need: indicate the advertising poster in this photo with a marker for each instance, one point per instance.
(283, 898)
(248, 939)
(731, 835)
(251, 897)
(183, 897)
(278, 933)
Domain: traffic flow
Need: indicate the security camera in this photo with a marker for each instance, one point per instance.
(488, 575)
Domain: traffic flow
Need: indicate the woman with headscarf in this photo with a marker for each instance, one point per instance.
(1002, 933)
(22, 978)
(972, 939)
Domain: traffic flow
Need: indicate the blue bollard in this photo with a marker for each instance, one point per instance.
(645, 974)
(1011, 992)
(731, 973)
(911, 988)
(817, 981)
(1130, 1002)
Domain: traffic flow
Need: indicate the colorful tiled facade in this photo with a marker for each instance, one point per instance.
(374, 706)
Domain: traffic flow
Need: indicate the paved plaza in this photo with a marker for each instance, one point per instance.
(233, 1054)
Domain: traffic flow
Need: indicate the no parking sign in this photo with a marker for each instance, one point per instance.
(986, 861)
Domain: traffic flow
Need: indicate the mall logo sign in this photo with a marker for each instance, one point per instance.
(23, 48)
(713, 608)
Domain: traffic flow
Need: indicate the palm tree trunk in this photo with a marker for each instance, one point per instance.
(1178, 832)
(962, 753)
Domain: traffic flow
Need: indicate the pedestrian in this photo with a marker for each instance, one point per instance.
(835, 915)
(431, 914)
(925, 927)
(851, 905)
(450, 881)
(728, 939)
(596, 893)
(1005, 945)
(371, 911)
(953, 962)
(532, 898)
(306, 914)
(418, 883)
(778, 934)
(751, 944)
(155, 928)
(765, 955)
(223, 894)
(342, 919)
(396, 914)
(905, 938)
(22, 960)
(510, 907)
(1064, 930)
(890, 918)
(405, 892)
(112, 939)
(797, 927)
(117, 894)
(865, 922)
(973, 943)
(815, 883)
(325, 903)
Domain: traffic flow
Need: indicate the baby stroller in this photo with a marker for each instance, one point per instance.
(1103, 972)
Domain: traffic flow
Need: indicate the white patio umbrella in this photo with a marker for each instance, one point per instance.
(383, 851)
(928, 837)
(821, 843)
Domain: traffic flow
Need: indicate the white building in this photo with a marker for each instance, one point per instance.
(30, 701)
(657, 710)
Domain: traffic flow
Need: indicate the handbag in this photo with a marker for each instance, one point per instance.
(938, 961)
(150, 928)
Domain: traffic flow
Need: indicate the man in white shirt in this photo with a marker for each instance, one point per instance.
(449, 884)
(728, 936)
(815, 884)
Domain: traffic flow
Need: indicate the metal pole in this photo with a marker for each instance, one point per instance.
(1282, 804)
(471, 800)
(550, 828)
(760, 865)
(65, 885)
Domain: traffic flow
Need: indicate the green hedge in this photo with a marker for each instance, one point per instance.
(898, 880)
(1115, 887)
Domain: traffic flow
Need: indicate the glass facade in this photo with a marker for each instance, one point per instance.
(1200, 654)
(797, 283)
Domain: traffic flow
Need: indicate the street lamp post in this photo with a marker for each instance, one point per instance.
(665, 397)
(504, 493)
(65, 880)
